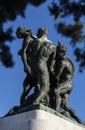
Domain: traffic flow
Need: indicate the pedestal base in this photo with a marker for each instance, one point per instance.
(38, 120)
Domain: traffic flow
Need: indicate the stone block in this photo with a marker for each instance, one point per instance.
(38, 119)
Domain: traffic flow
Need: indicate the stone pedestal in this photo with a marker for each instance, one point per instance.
(38, 119)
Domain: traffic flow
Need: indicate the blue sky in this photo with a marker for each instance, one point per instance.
(11, 80)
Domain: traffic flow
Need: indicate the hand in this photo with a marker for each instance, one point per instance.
(27, 69)
(52, 70)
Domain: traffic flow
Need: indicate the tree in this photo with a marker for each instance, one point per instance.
(9, 10)
(61, 9)
(73, 30)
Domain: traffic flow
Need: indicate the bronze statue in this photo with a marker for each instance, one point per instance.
(64, 72)
(26, 34)
(38, 52)
(28, 83)
(45, 54)
(48, 70)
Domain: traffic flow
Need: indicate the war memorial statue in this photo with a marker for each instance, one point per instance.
(48, 70)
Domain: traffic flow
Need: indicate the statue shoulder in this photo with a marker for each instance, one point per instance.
(71, 62)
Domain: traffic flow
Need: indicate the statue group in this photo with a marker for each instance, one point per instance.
(48, 70)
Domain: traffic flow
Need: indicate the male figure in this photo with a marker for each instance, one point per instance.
(26, 34)
(29, 82)
(41, 52)
(64, 74)
(38, 53)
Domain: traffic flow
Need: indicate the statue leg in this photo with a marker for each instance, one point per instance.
(27, 85)
(58, 102)
(62, 88)
(43, 81)
(70, 110)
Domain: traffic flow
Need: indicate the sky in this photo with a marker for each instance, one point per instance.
(11, 80)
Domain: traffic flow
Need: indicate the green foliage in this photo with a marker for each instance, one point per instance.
(80, 57)
(65, 9)
(36, 2)
(55, 10)
(72, 31)
(9, 10)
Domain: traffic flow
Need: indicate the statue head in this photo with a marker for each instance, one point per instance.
(23, 32)
(42, 32)
(61, 49)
